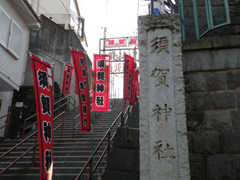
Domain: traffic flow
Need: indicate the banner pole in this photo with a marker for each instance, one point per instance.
(86, 57)
(60, 90)
(92, 152)
(110, 123)
(110, 116)
(52, 64)
(124, 102)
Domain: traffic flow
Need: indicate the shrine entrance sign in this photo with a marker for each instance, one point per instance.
(163, 133)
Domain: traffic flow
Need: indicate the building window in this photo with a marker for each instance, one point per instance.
(10, 34)
(80, 32)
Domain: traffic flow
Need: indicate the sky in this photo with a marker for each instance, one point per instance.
(120, 18)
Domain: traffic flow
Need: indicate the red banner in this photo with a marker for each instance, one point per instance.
(128, 77)
(67, 77)
(42, 77)
(101, 82)
(137, 82)
(76, 87)
(80, 68)
(135, 88)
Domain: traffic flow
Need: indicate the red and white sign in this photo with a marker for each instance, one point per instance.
(42, 77)
(132, 42)
(101, 82)
(128, 77)
(116, 42)
(67, 77)
(80, 69)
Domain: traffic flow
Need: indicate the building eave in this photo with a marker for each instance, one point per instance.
(27, 13)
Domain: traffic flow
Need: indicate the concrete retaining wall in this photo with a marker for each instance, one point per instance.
(212, 93)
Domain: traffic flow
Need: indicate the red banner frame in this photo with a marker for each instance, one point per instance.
(128, 77)
(67, 78)
(80, 69)
(42, 78)
(101, 82)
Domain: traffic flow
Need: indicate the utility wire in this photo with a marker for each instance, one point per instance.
(46, 11)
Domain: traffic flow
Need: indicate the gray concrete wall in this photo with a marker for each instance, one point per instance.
(52, 43)
(212, 93)
(123, 161)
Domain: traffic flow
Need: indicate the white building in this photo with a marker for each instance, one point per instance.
(65, 13)
(16, 20)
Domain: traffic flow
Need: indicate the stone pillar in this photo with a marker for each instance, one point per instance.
(163, 134)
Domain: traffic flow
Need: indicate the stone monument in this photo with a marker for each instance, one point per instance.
(163, 133)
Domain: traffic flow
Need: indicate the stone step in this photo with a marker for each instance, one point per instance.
(69, 154)
(82, 139)
(58, 143)
(55, 176)
(55, 148)
(36, 170)
(73, 162)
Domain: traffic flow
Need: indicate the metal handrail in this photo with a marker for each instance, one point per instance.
(24, 124)
(107, 134)
(34, 146)
(8, 122)
(69, 102)
(75, 126)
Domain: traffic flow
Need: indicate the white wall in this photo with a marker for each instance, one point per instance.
(6, 97)
(9, 66)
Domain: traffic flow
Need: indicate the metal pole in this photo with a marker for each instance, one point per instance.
(34, 151)
(7, 126)
(181, 11)
(227, 11)
(124, 102)
(152, 7)
(52, 64)
(60, 90)
(62, 125)
(182, 21)
(196, 18)
(110, 123)
(90, 168)
(108, 150)
(23, 128)
(104, 37)
(73, 128)
(68, 102)
(92, 153)
(210, 14)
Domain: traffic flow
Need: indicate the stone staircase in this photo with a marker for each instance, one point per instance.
(69, 155)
